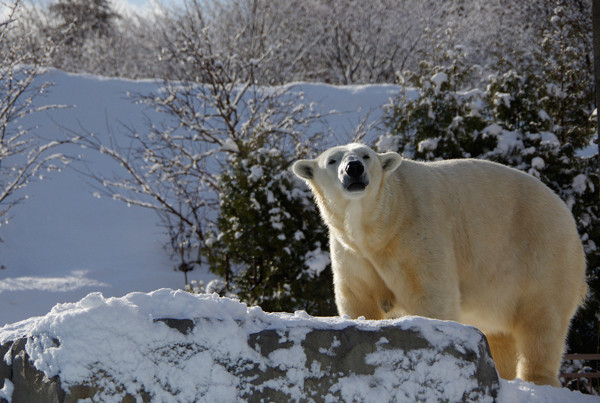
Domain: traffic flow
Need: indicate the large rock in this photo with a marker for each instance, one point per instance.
(340, 363)
(411, 360)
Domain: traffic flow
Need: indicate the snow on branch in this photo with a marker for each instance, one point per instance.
(24, 155)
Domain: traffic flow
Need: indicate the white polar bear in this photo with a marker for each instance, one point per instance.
(465, 240)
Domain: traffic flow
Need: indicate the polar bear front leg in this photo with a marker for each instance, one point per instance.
(359, 291)
(424, 281)
(354, 303)
(434, 300)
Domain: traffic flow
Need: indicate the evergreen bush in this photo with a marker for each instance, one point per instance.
(269, 243)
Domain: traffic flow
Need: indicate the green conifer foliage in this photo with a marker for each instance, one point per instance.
(269, 243)
(79, 19)
(438, 118)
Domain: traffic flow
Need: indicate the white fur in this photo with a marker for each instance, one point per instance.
(464, 240)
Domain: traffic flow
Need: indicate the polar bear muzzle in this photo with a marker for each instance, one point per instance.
(354, 178)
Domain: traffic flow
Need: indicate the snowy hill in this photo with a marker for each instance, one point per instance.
(64, 243)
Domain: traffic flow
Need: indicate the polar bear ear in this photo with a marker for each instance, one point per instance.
(390, 161)
(304, 169)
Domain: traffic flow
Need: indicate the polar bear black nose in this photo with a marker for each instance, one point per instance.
(354, 169)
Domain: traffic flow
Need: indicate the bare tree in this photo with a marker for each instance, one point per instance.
(212, 114)
(24, 156)
(335, 42)
(338, 42)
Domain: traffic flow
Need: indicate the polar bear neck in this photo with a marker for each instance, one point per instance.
(355, 222)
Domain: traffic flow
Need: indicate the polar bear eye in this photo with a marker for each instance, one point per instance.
(331, 162)
(366, 157)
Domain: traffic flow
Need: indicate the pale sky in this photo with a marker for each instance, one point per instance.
(141, 6)
(121, 6)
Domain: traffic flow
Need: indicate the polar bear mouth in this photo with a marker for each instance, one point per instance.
(356, 187)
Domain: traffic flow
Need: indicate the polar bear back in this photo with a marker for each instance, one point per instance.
(495, 197)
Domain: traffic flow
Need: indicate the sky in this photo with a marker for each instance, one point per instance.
(121, 6)
(143, 6)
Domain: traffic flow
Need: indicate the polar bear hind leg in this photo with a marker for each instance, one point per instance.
(540, 339)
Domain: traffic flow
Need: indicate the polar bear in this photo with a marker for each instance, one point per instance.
(466, 240)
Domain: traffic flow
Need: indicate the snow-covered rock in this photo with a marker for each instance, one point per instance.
(174, 346)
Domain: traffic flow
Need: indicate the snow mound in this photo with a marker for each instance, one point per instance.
(126, 346)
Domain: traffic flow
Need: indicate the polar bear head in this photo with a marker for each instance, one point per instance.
(351, 171)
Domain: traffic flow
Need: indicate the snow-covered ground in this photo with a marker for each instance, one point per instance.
(64, 243)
